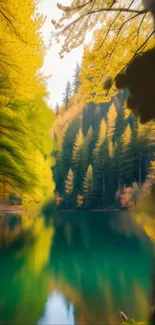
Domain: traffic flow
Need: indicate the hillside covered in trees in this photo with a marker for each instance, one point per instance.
(105, 157)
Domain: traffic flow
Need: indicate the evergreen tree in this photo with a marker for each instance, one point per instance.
(76, 81)
(87, 149)
(69, 183)
(152, 170)
(77, 155)
(101, 136)
(99, 162)
(126, 137)
(111, 120)
(67, 94)
(88, 186)
(77, 147)
(126, 158)
(143, 153)
(69, 188)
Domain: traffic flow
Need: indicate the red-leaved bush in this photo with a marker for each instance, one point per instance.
(130, 196)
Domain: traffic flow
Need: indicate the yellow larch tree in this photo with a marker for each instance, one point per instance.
(69, 183)
(101, 137)
(22, 47)
(77, 146)
(111, 116)
(121, 30)
(25, 119)
(126, 137)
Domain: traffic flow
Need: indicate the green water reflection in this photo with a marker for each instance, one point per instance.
(79, 268)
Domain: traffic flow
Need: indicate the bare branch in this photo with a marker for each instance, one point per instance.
(75, 8)
(138, 51)
(126, 10)
(140, 25)
(107, 33)
(143, 45)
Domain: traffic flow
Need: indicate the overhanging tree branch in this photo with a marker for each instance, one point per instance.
(109, 29)
(125, 10)
(73, 8)
(138, 51)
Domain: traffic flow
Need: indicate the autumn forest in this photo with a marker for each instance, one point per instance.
(105, 157)
(77, 167)
(98, 153)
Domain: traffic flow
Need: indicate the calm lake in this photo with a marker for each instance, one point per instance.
(76, 267)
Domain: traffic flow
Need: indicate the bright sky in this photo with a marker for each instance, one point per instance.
(61, 70)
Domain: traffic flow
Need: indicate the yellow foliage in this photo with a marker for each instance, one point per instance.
(127, 113)
(112, 114)
(110, 148)
(44, 185)
(77, 145)
(126, 136)
(25, 119)
(101, 136)
(147, 223)
(152, 170)
(112, 49)
(147, 131)
(80, 200)
(22, 47)
(64, 118)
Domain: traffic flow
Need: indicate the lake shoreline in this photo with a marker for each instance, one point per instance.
(93, 210)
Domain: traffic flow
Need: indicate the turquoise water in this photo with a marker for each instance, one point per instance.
(76, 268)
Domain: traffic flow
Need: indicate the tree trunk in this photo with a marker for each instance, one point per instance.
(103, 186)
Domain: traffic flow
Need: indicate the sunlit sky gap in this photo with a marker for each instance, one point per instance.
(61, 70)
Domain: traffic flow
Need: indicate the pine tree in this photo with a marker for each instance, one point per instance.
(126, 157)
(144, 148)
(76, 81)
(100, 156)
(126, 137)
(69, 183)
(88, 186)
(111, 120)
(67, 94)
(77, 147)
(101, 136)
(111, 123)
(77, 155)
(87, 149)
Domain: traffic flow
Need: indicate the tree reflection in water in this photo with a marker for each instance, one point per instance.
(90, 260)
(99, 268)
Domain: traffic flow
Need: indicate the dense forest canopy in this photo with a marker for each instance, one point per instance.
(105, 157)
(25, 119)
